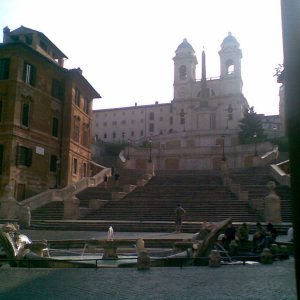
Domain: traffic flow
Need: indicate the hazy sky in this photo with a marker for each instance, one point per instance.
(125, 47)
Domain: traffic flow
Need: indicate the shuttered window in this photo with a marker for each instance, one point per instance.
(24, 156)
(29, 73)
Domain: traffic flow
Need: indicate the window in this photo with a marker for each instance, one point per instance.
(114, 135)
(28, 39)
(230, 111)
(29, 73)
(43, 46)
(171, 120)
(55, 127)
(76, 132)
(25, 114)
(230, 67)
(161, 119)
(4, 68)
(114, 123)
(182, 117)
(182, 73)
(77, 97)
(24, 156)
(75, 166)
(1, 158)
(151, 127)
(105, 124)
(151, 116)
(132, 133)
(85, 136)
(58, 89)
(86, 105)
(53, 163)
(105, 136)
(123, 122)
(142, 132)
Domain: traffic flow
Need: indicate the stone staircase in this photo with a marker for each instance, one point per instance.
(254, 180)
(151, 207)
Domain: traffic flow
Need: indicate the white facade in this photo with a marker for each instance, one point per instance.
(203, 109)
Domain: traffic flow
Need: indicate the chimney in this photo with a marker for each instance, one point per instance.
(6, 32)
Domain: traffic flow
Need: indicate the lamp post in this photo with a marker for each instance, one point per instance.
(223, 147)
(255, 147)
(275, 135)
(150, 151)
(128, 146)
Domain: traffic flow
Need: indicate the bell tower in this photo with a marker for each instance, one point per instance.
(230, 57)
(185, 62)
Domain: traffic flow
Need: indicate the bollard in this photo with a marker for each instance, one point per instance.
(143, 260)
(214, 259)
(274, 250)
(266, 256)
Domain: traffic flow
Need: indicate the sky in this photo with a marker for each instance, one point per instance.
(126, 47)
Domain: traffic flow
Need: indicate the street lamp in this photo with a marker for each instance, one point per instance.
(275, 134)
(255, 148)
(150, 151)
(128, 146)
(223, 147)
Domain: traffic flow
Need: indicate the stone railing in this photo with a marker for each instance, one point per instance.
(61, 194)
(280, 176)
(266, 158)
(233, 187)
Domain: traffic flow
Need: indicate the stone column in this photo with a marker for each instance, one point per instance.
(272, 207)
(8, 204)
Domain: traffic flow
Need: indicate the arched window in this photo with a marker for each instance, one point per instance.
(182, 73)
(230, 67)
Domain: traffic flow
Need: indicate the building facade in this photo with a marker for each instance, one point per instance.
(45, 115)
(207, 108)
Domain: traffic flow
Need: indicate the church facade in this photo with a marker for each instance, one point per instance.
(197, 125)
(210, 106)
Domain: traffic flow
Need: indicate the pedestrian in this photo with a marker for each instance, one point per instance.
(229, 235)
(179, 212)
(259, 238)
(243, 233)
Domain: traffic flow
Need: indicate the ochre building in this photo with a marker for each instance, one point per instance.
(45, 115)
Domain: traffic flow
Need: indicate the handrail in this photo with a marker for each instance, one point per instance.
(60, 194)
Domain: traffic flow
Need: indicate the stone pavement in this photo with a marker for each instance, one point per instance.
(249, 282)
(256, 281)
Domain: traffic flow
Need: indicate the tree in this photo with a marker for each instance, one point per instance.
(251, 128)
(279, 73)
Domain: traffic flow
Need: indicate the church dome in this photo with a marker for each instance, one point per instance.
(230, 41)
(185, 48)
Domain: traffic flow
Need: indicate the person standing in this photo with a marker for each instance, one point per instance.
(179, 212)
